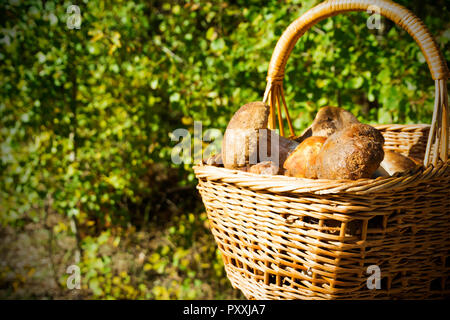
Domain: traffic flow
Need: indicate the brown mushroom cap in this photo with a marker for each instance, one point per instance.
(301, 162)
(240, 142)
(352, 153)
(265, 167)
(396, 162)
(328, 120)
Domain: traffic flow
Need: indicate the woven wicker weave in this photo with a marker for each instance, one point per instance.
(290, 238)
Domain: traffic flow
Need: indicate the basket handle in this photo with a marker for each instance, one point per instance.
(438, 137)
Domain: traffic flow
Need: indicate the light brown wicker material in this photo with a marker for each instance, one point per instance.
(289, 238)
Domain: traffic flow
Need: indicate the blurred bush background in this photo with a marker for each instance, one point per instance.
(86, 117)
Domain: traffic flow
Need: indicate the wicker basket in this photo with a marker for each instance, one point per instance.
(291, 238)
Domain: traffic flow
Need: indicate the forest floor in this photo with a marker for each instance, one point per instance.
(34, 261)
(28, 269)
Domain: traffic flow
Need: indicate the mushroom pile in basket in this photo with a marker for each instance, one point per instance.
(335, 146)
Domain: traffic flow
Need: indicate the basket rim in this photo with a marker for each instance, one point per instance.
(285, 184)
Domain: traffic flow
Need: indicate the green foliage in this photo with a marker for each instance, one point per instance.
(86, 114)
(180, 263)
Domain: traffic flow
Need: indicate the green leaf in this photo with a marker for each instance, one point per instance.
(175, 97)
(218, 45)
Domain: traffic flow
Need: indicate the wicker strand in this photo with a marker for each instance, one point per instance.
(291, 129)
(445, 120)
(437, 140)
(432, 134)
(280, 117)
